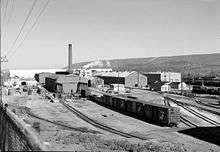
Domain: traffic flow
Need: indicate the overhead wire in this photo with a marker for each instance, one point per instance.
(32, 27)
(9, 17)
(5, 12)
(23, 25)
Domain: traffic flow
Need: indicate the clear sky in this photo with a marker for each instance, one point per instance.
(110, 29)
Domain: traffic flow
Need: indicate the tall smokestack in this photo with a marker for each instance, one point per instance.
(70, 58)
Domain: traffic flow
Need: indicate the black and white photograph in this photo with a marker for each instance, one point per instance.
(110, 75)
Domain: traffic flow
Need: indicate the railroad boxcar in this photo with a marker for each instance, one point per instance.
(129, 106)
(157, 113)
(160, 114)
(123, 106)
(139, 108)
(148, 112)
(114, 102)
(107, 100)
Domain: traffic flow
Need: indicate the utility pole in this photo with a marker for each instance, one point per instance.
(138, 78)
(189, 79)
(0, 54)
(118, 81)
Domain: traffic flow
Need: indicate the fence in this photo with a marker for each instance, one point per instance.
(15, 135)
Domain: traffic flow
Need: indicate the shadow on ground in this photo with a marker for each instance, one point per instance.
(209, 134)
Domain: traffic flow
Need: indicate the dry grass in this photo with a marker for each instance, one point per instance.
(96, 143)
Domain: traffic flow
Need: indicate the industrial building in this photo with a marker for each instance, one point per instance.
(92, 71)
(64, 83)
(29, 73)
(153, 77)
(129, 79)
(168, 86)
(95, 81)
(70, 83)
(40, 77)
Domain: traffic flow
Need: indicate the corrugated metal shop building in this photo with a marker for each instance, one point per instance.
(40, 77)
(70, 83)
(129, 79)
(50, 82)
(64, 83)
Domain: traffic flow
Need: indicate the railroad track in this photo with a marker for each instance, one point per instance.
(98, 124)
(208, 105)
(213, 122)
(187, 122)
(184, 120)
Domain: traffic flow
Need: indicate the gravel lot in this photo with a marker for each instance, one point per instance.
(65, 131)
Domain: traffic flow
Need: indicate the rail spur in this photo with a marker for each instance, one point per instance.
(98, 124)
(197, 114)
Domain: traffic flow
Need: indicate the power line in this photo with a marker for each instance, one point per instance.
(9, 17)
(32, 27)
(26, 19)
(4, 15)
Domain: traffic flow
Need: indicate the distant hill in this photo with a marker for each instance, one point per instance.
(197, 65)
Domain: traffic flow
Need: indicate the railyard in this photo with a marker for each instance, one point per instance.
(80, 124)
(104, 110)
(121, 90)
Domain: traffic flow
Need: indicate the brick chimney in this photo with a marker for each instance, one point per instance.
(70, 70)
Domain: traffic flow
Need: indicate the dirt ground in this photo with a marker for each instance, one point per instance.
(62, 130)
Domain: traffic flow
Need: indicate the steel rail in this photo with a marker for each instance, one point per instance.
(197, 114)
(188, 122)
(205, 104)
(98, 124)
(202, 116)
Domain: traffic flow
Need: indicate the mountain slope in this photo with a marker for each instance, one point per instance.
(202, 64)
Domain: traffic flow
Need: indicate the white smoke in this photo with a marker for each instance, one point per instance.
(108, 64)
(97, 64)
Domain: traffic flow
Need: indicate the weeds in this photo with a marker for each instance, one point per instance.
(95, 143)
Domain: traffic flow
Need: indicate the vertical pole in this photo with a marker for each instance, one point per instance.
(0, 54)
(118, 81)
(138, 79)
(181, 87)
(70, 58)
(189, 82)
(5, 128)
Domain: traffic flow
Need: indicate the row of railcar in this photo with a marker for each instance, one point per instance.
(159, 114)
(206, 90)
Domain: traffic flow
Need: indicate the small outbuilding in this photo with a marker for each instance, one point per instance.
(168, 86)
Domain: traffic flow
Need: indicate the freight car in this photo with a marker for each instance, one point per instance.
(206, 90)
(156, 113)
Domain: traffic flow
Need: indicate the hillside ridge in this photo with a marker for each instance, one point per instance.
(195, 64)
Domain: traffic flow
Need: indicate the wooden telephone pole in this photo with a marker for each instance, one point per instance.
(0, 54)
